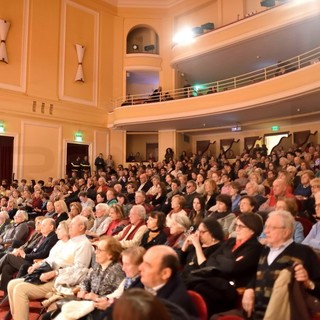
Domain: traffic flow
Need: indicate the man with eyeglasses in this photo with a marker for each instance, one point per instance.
(280, 253)
(191, 193)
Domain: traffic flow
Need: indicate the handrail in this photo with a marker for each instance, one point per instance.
(282, 67)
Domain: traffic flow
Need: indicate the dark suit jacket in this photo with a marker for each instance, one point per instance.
(147, 186)
(175, 291)
(44, 248)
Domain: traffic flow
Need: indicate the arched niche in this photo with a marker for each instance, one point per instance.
(142, 39)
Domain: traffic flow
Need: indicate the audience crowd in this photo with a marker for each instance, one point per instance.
(224, 229)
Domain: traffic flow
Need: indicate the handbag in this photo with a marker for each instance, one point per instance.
(34, 277)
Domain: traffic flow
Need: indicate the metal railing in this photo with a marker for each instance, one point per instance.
(283, 67)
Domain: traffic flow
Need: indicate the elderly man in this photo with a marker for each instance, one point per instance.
(102, 221)
(76, 256)
(132, 234)
(159, 275)
(140, 199)
(280, 253)
(252, 189)
(279, 189)
(4, 221)
(191, 194)
(145, 184)
(17, 235)
(12, 262)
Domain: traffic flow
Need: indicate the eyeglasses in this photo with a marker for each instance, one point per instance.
(272, 228)
(100, 250)
(189, 186)
(317, 205)
(240, 226)
(316, 187)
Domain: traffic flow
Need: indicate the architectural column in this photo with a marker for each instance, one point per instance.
(167, 139)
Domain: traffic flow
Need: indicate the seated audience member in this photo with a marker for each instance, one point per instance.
(17, 235)
(179, 226)
(145, 184)
(132, 234)
(177, 205)
(210, 193)
(50, 210)
(159, 197)
(175, 185)
(153, 190)
(61, 210)
(106, 274)
(248, 205)
(88, 213)
(303, 190)
(200, 245)
(223, 212)
(131, 260)
(231, 266)
(101, 197)
(102, 185)
(159, 274)
(75, 257)
(131, 191)
(155, 234)
(139, 304)
(252, 190)
(279, 189)
(191, 193)
(313, 238)
(290, 205)
(22, 258)
(242, 178)
(282, 252)
(140, 199)
(123, 202)
(234, 193)
(85, 200)
(75, 210)
(118, 221)
(196, 215)
(308, 209)
(5, 222)
(101, 222)
(111, 196)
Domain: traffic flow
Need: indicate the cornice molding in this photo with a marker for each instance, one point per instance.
(164, 4)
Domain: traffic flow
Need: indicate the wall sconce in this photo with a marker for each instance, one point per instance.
(2, 127)
(135, 47)
(4, 28)
(78, 136)
(80, 52)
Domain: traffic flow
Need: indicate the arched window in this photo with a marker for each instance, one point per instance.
(142, 39)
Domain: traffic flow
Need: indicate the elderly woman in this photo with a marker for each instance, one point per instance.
(180, 224)
(131, 260)
(155, 234)
(101, 222)
(231, 266)
(106, 274)
(200, 245)
(177, 204)
(88, 213)
(118, 222)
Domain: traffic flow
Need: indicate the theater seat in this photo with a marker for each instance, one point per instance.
(199, 304)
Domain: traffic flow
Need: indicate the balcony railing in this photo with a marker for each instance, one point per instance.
(283, 67)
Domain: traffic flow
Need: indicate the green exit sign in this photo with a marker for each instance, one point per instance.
(275, 128)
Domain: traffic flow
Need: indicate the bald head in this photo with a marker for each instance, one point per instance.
(159, 264)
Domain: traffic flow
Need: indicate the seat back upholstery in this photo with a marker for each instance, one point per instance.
(200, 304)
